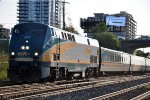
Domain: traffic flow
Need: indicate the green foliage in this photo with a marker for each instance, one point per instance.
(3, 59)
(106, 39)
(101, 27)
(142, 54)
(70, 28)
(3, 47)
(3, 67)
(3, 71)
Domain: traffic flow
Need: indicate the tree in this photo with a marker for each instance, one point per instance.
(70, 28)
(4, 47)
(106, 39)
(101, 27)
(142, 54)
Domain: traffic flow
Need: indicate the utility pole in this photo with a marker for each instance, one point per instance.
(63, 3)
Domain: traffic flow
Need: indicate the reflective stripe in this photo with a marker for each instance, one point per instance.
(23, 59)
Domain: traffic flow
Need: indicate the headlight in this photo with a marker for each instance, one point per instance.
(36, 53)
(27, 41)
(22, 47)
(27, 47)
(12, 53)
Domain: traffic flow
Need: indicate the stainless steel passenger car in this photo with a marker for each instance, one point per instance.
(114, 61)
(138, 64)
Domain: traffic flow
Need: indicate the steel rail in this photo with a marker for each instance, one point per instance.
(113, 94)
(142, 96)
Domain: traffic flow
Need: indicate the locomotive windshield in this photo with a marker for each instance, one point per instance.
(29, 29)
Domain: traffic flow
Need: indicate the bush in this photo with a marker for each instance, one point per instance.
(4, 47)
(3, 71)
(3, 59)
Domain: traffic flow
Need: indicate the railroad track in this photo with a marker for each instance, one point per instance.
(72, 81)
(19, 92)
(142, 96)
(67, 90)
(111, 96)
(26, 90)
(8, 83)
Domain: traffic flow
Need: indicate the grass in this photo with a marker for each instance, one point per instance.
(3, 59)
(3, 67)
(3, 71)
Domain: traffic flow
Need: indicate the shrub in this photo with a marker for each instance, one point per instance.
(3, 71)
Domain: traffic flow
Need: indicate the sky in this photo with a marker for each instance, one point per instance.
(77, 9)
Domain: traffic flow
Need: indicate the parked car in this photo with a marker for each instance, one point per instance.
(121, 37)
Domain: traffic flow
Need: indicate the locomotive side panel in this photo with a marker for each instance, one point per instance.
(60, 52)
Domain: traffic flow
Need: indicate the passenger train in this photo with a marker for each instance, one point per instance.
(39, 51)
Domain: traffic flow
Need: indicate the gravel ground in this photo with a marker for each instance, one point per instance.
(94, 92)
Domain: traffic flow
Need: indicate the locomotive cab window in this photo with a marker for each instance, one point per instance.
(73, 38)
(88, 41)
(52, 31)
(62, 35)
(65, 36)
(37, 31)
(18, 30)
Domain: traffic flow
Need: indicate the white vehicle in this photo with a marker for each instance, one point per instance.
(121, 37)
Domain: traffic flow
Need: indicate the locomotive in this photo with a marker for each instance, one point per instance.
(39, 51)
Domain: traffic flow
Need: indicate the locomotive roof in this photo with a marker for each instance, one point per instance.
(78, 38)
(113, 50)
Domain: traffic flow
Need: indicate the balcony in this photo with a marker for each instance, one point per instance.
(38, 2)
(45, 13)
(37, 9)
(25, 16)
(37, 5)
(37, 16)
(45, 2)
(20, 13)
(22, 9)
(23, 3)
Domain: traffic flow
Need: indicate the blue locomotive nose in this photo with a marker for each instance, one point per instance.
(25, 48)
(24, 73)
